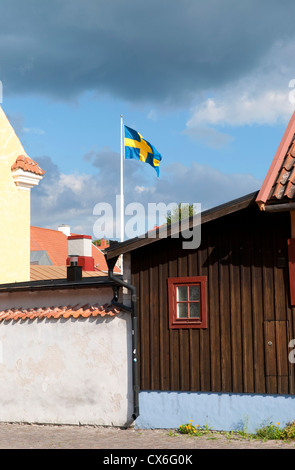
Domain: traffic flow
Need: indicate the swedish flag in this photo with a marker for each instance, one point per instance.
(137, 147)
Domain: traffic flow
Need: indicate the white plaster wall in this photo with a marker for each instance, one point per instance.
(65, 371)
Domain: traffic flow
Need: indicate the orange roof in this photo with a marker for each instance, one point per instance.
(55, 243)
(279, 183)
(66, 311)
(27, 164)
(284, 185)
(52, 241)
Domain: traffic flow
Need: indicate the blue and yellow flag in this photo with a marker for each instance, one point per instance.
(140, 149)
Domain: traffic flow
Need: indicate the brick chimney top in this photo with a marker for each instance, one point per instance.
(103, 243)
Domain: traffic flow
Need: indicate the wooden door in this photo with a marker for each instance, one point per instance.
(277, 367)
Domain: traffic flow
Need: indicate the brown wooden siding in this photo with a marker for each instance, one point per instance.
(244, 256)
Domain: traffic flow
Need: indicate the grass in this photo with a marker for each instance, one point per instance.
(266, 432)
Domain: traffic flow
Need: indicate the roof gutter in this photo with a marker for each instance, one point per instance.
(279, 207)
(133, 310)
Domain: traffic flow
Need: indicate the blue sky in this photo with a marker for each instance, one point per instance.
(206, 83)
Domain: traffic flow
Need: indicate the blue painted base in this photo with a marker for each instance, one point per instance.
(219, 411)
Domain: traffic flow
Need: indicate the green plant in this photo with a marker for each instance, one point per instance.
(289, 431)
(269, 431)
(193, 429)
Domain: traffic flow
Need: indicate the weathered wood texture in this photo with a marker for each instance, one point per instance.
(250, 322)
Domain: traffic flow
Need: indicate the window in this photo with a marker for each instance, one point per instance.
(187, 302)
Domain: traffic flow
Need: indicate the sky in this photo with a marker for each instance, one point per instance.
(210, 85)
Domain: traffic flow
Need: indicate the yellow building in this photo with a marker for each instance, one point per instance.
(18, 174)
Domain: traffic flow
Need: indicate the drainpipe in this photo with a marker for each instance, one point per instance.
(133, 310)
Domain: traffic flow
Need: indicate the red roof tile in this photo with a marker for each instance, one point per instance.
(279, 183)
(27, 164)
(55, 243)
(284, 184)
(67, 311)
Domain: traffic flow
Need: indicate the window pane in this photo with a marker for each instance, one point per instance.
(194, 310)
(194, 293)
(182, 293)
(182, 310)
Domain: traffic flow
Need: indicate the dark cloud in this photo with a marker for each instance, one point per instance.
(156, 50)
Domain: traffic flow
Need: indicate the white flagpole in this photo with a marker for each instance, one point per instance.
(121, 184)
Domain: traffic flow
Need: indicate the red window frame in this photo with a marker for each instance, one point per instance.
(174, 321)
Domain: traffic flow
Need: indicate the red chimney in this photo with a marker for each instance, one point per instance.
(81, 246)
(103, 243)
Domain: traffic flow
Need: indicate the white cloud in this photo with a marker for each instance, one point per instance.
(70, 198)
(263, 96)
(143, 189)
(203, 184)
(239, 109)
(33, 130)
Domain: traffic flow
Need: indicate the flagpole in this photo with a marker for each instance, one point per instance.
(121, 184)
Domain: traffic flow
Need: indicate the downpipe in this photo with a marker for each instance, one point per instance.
(134, 330)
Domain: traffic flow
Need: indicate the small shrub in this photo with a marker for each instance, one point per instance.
(289, 431)
(269, 431)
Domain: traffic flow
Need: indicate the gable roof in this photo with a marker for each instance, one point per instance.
(279, 183)
(156, 234)
(55, 243)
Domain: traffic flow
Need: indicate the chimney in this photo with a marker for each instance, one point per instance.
(103, 244)
(81, 247)
(74, 272)
(66, 229)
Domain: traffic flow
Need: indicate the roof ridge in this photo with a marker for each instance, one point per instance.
(65, 311)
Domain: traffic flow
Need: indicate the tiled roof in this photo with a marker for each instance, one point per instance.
(67, 311)
(279, 183)
(39, 273)
(284, 185)
(55, 243)
(27, 164)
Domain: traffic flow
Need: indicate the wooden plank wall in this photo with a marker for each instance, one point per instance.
(244, 257)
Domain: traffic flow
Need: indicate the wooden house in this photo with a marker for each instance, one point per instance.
(216, 324)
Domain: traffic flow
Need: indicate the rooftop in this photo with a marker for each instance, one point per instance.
(56, 272)
(67, 311)
(55, 243)
(27, 164)
(279, 184)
